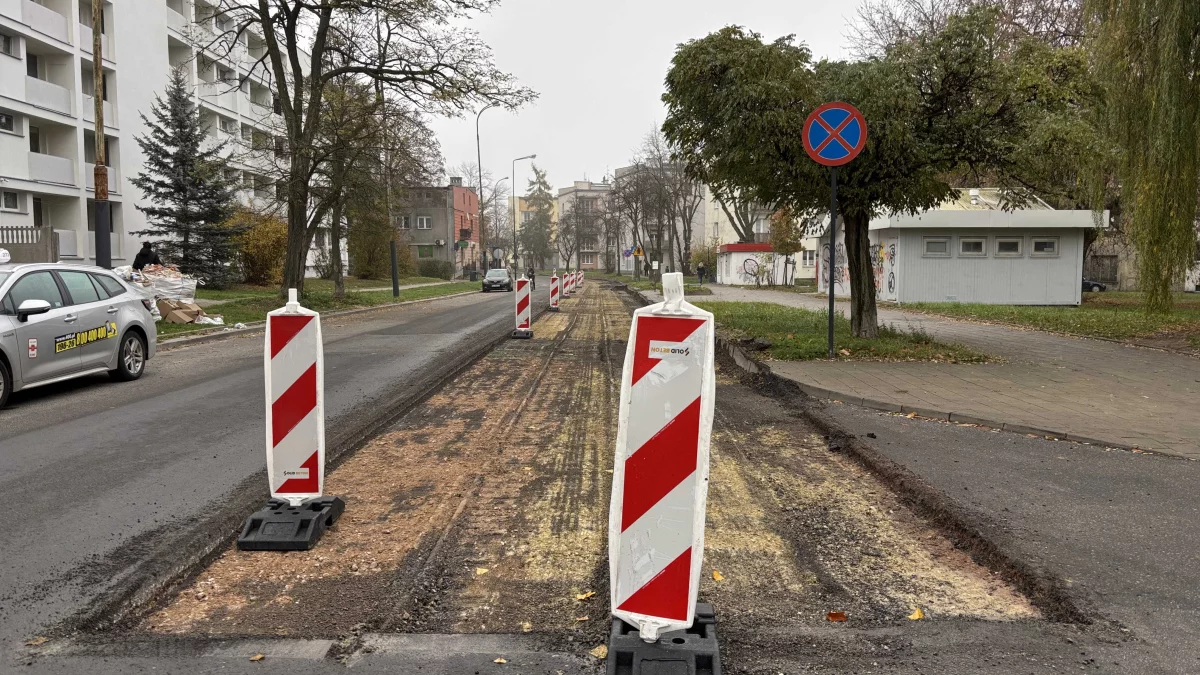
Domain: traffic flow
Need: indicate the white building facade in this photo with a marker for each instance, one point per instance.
(717, 223)
(46, 109)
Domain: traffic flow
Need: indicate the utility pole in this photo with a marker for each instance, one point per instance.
(102, 215)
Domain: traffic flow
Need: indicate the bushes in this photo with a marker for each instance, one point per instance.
(262, 247)
(441, 269)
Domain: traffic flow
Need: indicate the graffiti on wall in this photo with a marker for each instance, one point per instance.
(841, 274)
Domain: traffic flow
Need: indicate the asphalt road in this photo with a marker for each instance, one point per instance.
(1117, 527)
(96, 474)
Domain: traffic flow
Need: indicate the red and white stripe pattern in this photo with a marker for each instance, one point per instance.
(554, 291)
(295, 382)
(566, 291)
(523, 311)
(660, 480)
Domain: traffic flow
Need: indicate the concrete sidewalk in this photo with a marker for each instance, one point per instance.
(1089, 390)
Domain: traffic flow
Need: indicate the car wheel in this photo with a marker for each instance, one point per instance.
(485, 290)
(6, 383)
(131, 358)
(1096, 289)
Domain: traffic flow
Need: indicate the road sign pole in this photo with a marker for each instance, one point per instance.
(832, 240)
(395, 272)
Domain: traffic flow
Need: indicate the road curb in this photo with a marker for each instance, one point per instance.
(257, 326)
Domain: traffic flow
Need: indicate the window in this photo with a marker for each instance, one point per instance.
(424, 222)
(79, 285)
(1044, 247)
(109, 284)
(404, 224)
(35, 139)
(229, 126)
(9, 201)
(937, 247)
(972, 247)
(808, 258)
(8, 45)
(31, 65)
(36, 286)
(320, 238)
(526, 216)
(1009, 247)
(424, 251)
(8, 123)
(38, 216)
(587, 259)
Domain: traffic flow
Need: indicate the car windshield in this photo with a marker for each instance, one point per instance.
(497, 274)
(3, 276)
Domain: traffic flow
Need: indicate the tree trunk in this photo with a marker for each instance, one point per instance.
(335, 249)
(864, 320)
(295, 264)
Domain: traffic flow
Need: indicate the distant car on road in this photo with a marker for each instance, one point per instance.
(59, 322)
(1094, 286)
(497, 279)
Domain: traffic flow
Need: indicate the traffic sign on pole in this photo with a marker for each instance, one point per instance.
(660, 479)
(834, 134)
(524, 329)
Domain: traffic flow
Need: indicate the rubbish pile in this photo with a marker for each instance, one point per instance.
(173, 293)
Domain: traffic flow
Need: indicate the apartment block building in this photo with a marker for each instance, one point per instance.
(46, 109)
(587, 199)
(442, 223)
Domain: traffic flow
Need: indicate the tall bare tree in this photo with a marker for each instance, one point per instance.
(411, 50)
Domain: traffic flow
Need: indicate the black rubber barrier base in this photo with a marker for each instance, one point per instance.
(280, 526)
(683, 652)
(522, 334)
(551, 309)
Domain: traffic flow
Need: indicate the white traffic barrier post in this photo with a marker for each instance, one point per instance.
(581, 278)
(524, 328)
(660, 481)
(554, 291)
(566, 284)
(294, 365)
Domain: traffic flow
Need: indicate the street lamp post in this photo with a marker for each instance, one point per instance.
(514, 189)
(479, 166)
(496, 209)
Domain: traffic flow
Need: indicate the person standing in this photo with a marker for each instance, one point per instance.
(700, 272)
(146, 256)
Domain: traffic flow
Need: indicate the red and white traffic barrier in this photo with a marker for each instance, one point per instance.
(295, 380)
(660, 481)
(581, 278)
(554, 291)
(566, 284)
(524, 323)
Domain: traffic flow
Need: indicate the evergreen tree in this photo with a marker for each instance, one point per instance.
(190, 198)
(535, 234)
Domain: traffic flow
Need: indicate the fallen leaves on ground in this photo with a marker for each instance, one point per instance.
(526, 627)
(836, 617)
(583, 618)
(584, 596)
(257, 657)
(600, 652)
(37, 641)
(480, 571)
(717, 576)
(844, 352)
(917, 614)
(500, 659)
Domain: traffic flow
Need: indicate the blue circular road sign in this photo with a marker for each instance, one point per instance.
(834, 134)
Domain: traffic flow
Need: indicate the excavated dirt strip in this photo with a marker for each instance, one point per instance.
(485, 511)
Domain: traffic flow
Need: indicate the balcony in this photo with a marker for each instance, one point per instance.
(51, 169)
(220, 94)
(85, 42)
(114, 178)
(89, 112)
(177, 22)
(45, 21)
(47, 95)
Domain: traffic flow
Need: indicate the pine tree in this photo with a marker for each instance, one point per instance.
(190, 198)
(536, 233)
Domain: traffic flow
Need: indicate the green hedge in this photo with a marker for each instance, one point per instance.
(440, 269)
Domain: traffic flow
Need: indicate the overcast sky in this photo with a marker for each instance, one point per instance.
(599, 68)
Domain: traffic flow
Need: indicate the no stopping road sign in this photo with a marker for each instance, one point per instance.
(834, 134)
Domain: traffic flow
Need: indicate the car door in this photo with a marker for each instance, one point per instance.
(96, 338)
(37, 356)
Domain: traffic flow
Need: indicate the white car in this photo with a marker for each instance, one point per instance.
(60, 321)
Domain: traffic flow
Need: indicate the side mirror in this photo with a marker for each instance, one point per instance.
(31, 307)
